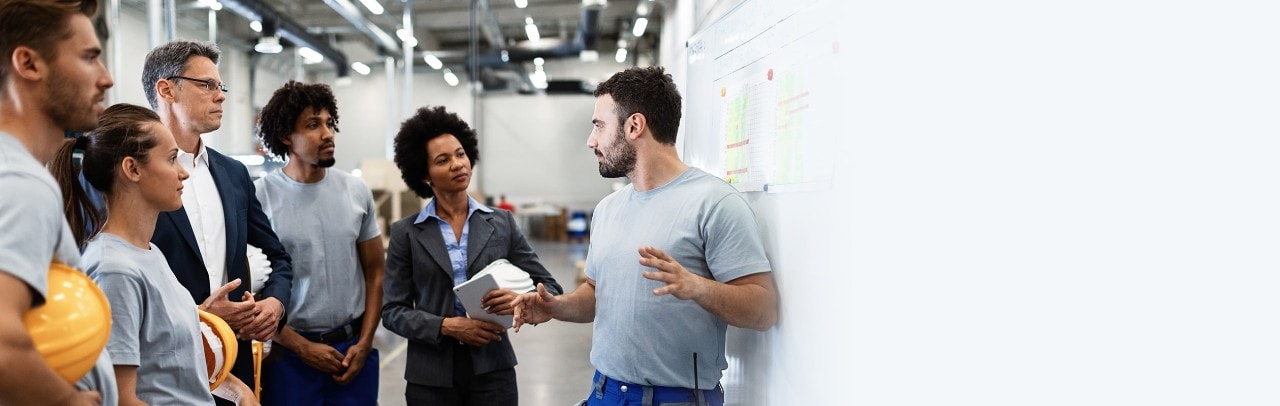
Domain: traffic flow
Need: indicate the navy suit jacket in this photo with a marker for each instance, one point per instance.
(418, 291)
(246, 223)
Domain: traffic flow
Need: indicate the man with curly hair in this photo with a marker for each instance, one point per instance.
(327, 345)
(675, 258)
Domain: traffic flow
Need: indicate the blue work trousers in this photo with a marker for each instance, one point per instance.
(288, 381)
(606, 391)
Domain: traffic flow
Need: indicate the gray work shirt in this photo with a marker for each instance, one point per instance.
(320, 225)
(154, 325)
(708, 228)
(33, 233)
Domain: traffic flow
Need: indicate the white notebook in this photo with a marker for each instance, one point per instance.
(472, 291)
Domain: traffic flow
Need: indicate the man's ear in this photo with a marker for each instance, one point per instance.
(131, 169)
(27, 63)
(164, 90)
(636, 125)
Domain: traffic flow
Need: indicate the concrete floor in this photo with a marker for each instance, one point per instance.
(553, 370)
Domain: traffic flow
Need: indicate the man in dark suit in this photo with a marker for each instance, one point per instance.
(205, 241)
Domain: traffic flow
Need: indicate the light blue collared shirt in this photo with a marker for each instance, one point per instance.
(457, 247)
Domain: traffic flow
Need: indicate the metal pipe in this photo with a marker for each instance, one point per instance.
(290, 30)
(155, 23)
(117, 45)
(407, 89)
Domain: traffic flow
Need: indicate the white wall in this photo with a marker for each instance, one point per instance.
(533, 149)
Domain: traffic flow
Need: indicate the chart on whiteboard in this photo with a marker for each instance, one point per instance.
(771, 105)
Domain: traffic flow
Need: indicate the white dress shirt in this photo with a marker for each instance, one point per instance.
(203, 203)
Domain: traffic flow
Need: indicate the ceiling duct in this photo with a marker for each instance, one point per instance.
(586, 38)
(256, 10)
(381, 40)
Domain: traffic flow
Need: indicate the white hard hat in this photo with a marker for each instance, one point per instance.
(509, 276)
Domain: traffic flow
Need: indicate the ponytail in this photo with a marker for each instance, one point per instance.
(84, 218)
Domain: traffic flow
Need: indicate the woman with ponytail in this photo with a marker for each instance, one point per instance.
(155, 339)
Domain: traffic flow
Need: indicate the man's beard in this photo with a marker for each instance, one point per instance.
(327, 163)
(64, 107)
(622, 161)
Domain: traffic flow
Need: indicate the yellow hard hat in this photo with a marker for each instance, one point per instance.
(72, 327)
(220, 347)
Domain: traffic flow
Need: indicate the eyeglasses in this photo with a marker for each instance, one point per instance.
(206, 84)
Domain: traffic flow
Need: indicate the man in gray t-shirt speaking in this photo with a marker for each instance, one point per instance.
(326, 221)
(675, 258)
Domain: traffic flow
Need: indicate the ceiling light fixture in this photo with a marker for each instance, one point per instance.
(621, 56)
(432, 61)
(211, 4)
(450, 78)
(407, 37)
(531, 30)
(310, 56)
(522, 3)
(268, 44)
(255, 25)
(361, 68)
(641, 24)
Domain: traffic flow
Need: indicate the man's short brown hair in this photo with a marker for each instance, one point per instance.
(37, 24)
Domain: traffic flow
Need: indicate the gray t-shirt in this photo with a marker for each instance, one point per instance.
(33, 233)
(708, 228)
(320, 225)
(154, 325)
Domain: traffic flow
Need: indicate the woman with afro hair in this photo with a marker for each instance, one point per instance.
(453, 359)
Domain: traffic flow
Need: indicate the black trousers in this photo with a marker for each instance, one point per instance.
(497, 388)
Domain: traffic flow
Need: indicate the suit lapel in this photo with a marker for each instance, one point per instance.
(433, 241)
(218, 170)
(477, 238)
(183, 225)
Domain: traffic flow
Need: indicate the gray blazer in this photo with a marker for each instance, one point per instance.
(418, 291)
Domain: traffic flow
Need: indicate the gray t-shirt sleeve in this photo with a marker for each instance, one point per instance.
(734, 248)
(30, 231)
(124, 292)
(369, 225)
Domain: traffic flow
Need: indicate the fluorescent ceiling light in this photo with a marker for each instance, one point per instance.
(621, 56)
(373, 6)
(255, 25)
(641, 24)
(360, 68)
(642, 9)
(531, 30)
(588, 55)
(342, 81)
(310, 55)
(538, 78)
(432, 61)
(211, 4)
(450, 78)
(539, 61)
(522, 3)
(407, 37)
(268, 45)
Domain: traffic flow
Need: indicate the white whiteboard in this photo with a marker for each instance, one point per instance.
(762, 111)
(1027, 203)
